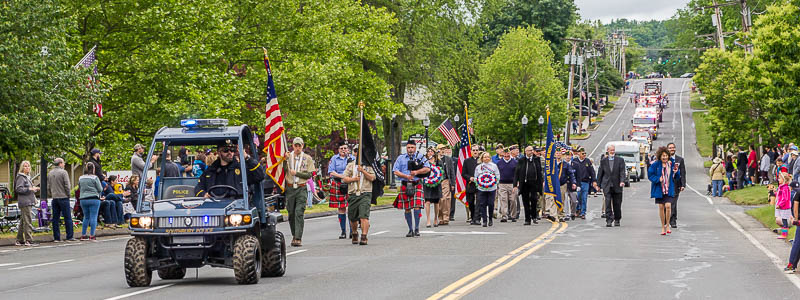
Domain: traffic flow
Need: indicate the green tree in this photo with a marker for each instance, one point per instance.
(517, 79)
(45, 104)
(552, 17)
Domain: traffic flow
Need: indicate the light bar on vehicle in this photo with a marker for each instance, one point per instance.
(189, 123)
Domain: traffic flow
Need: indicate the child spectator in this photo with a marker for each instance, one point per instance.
(783, 212)
(794, 254)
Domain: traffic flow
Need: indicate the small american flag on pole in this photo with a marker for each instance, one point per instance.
(86, 62)
(449, 132)
(274, 139)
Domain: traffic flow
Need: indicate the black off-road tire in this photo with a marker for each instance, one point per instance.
(172, 273)
(247, 259)
(136, 272)
(274, 259)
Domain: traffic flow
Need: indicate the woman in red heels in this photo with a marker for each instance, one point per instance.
(663, 175)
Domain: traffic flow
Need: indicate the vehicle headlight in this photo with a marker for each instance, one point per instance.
(235, 220)
(142, 222)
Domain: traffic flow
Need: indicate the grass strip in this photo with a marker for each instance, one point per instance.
(766, 215)
(751, 195)
(703, 134)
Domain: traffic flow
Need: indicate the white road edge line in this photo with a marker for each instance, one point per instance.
(42, 264)
(775, 259)
(296, 252)
(155, 288)
(379, 232)
(8, 264)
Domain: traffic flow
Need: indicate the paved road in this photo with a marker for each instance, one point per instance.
(705, 257)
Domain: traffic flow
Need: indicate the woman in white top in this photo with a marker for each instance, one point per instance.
(486, 177)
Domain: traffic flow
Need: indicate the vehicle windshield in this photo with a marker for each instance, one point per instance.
(641, 134)
(628, 157)
(644, 121)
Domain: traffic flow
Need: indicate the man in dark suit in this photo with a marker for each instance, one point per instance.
(611, 176)
(467, 172)
(528, 180)
(679, 187)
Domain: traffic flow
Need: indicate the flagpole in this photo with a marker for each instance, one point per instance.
(466, 114)
(360, 146)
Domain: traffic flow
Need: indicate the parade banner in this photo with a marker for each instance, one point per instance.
(551, 184)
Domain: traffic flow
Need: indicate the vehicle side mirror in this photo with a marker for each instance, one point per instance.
(631, 121)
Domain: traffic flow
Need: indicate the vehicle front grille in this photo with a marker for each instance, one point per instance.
(193, 221)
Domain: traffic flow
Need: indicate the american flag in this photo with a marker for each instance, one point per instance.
(469, 126)
(85, 62)
(464, 152)
(449, 132)
(274, 139)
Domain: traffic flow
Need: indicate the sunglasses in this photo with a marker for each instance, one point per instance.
(227, 150)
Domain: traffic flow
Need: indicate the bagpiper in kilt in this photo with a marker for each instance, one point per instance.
(410, 167)
(338, 196)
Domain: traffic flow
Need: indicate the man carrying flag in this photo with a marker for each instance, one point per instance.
(365, 184)
(552, 185)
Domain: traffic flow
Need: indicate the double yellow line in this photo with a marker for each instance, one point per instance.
(469, 283)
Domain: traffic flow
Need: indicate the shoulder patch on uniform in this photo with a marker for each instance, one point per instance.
(237, 171)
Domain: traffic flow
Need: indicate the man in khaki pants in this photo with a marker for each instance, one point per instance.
(506, 193)
(299, 167)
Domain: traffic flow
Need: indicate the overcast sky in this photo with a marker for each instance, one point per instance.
(643, 10)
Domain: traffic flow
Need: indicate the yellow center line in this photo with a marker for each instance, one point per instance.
(467, 281)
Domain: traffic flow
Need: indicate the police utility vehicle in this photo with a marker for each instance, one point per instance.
(176, 227)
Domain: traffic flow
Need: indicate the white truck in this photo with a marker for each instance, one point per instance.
(630, 152)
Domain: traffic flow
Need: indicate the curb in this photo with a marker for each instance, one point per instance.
(124, 231)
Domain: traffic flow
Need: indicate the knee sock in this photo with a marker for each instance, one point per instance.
(785, 223)
(417, 215)
(408, 221)
(343, 222)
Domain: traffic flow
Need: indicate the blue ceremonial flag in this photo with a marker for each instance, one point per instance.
(551, 184)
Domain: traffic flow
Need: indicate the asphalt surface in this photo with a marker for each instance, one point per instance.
(706, 257)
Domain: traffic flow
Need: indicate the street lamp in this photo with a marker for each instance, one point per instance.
(541, 128)
(524, 131)
(426, 122)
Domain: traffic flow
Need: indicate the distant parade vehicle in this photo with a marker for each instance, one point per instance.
(222, 225)
(634, 162)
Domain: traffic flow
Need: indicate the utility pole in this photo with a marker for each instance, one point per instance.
(580, 89)
(572, 61)
(718, 18)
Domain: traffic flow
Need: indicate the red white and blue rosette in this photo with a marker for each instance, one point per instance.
(434, 178)
(487, 180)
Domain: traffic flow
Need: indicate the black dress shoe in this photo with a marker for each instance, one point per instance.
(484, 224)
(535, 222)
(343, 235)
(616, 223)
(603, 216)
(490, 222)
(514, 220)
(416, 232)
(503, 220)
(474, 223)
(410, 233)
(673, 225)
(527, 223)
(608, 223)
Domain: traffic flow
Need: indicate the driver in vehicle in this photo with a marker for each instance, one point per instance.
(225, 171)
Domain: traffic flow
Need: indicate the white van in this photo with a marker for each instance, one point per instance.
(629, 151)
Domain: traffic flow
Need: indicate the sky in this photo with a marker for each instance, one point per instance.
(642, 10)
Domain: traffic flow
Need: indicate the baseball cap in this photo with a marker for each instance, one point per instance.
(794, 152)
(441, 146)
(298, 140)
(793, 147)
(95, 151)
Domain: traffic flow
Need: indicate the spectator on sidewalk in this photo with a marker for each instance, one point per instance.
(171, 168)
(199, 166)
(94, 158)
(114, 197)
(763, 168)
(59, 188)
(717, 174)
(91, 190)
(794, 254)
(729, 169)
(26, 198)
(130, 201)
(741, 169)
(783, 205)
(752, 165)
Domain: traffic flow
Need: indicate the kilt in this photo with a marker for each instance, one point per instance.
(336, 198)
(405, 202)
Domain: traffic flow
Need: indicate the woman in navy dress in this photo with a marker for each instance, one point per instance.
(664, 176)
